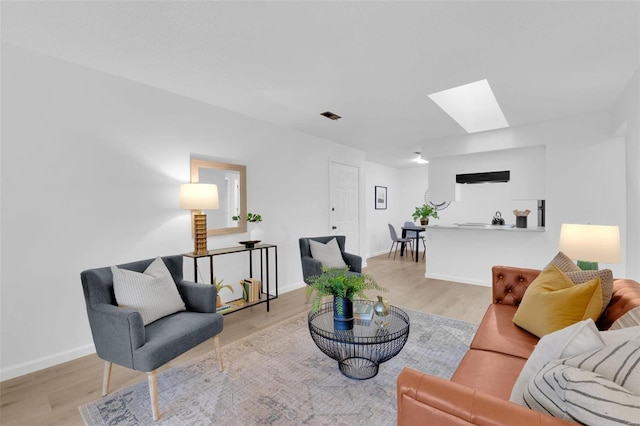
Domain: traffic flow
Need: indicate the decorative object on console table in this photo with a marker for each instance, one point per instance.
(590, 244)
(249, 244)
(380, 197)
(219, 286)
(255, 232)
(423, 212)
(251, 289)
(197, 197)
(345, 287)
(521, 218)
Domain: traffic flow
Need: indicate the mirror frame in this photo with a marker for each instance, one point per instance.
(197, 164)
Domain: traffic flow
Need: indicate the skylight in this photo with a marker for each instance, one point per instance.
(473, 106)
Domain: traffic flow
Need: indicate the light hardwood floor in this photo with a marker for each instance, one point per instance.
(51, 396)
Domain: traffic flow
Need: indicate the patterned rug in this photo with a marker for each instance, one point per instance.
(279, 377)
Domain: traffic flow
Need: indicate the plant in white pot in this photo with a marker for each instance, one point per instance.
(253, 219)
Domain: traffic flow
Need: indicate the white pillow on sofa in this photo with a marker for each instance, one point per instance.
(615, 337)
(578, 395)
(152, 293)
(598, 387)
(328, 254)
(572, 340)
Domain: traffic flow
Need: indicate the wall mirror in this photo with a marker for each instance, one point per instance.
(231, 180)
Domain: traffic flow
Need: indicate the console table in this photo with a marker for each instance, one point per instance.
(264, 270)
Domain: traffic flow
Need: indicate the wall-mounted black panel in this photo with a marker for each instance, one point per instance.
(486, 177)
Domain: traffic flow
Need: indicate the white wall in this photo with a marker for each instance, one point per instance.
(626, 123)
(585, 183)
(405, 191)
(91, 168)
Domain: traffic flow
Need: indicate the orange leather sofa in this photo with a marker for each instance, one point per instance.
(479, 391)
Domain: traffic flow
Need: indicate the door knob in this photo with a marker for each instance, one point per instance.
(334, 227)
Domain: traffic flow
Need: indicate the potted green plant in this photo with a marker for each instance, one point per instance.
(255, 232)
(423, 212)
(219, 286)
(251, 218)
(344, 288)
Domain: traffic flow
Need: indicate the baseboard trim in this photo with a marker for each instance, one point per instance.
(46, 362)
(463, 280)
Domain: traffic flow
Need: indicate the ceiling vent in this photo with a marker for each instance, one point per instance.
(486, 177)
(331, 115)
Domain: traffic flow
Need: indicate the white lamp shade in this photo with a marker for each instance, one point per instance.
(199, 196)
(590, 243)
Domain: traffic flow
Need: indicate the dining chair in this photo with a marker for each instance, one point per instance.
(412, 236)
(395, 241)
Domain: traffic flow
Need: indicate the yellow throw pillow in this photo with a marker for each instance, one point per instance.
(553, 302)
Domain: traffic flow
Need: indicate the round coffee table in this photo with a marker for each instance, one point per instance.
(360, 351)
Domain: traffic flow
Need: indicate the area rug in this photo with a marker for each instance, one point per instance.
(279, 377)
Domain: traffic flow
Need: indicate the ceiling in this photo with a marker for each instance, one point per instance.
(373, 63)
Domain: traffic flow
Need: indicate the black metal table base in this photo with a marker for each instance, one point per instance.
(358, 368)
(361, 350)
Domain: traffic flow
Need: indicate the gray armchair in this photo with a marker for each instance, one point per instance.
(313, 267)
(121, 338)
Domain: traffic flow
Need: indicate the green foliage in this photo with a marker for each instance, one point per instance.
(425, 211)
(220, 286)
(251, 217)
(336, 282)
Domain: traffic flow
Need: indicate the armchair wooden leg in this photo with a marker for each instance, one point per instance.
(106, 378)
(216, 345)
(153, 392)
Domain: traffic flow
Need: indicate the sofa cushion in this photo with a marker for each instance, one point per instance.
(571, 393)
(575, 339)
(597, 387)
(498, 333)
(564, 263)
(490, 372)
(630, 319)
(606, 278)
(152, 293)
(625, 297)
(578, 276)
(615, 337)
(553, 302)
(328, 254)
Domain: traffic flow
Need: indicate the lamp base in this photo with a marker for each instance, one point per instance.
(200, 234)
(587, 266)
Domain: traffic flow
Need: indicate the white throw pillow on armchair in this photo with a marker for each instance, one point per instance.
(152, 293)
(328, 254)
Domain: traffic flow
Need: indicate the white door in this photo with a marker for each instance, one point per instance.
(344, 200)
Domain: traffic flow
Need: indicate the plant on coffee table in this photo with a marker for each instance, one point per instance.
(336, 282)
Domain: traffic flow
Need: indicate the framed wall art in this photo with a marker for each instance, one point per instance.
(381, 197)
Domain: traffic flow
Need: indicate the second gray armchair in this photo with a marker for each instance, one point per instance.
(313, 267)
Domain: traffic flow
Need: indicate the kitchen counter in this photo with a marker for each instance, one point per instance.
(465, 253)
(486, 227)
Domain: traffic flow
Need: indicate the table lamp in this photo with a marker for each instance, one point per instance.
(590, 244)
(197, 197)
